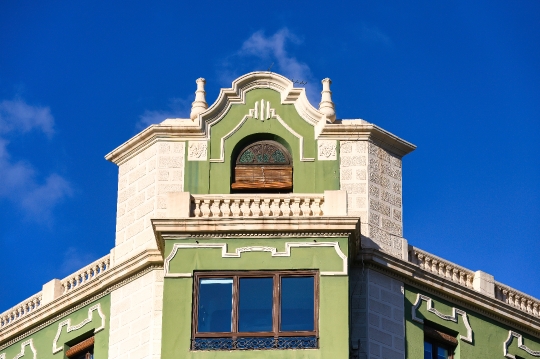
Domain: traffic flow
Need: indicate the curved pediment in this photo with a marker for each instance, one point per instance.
(289, 95)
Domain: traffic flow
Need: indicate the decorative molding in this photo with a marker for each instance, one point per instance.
(453, 317)
(71, 328)
(29, 343)
(237, 254)
(262, 113)
(327, 150)
(506, 344)
(197, 150)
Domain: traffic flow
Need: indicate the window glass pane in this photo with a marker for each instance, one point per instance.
(215, 305)
(255, 304)
(297, 303)
(428, 350)
(442, 353)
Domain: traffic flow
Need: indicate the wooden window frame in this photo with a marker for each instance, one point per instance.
(440, 339)
(276, 300)
(80, 347)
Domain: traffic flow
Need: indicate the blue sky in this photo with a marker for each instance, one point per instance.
(461, 80)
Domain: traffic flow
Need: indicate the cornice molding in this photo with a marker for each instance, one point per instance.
(359, 130)
(117, 276)
(253, 227)
(465, 297)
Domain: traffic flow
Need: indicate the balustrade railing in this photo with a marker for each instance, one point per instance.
(20, 310)
(86, 274)
(441, 267)
(517, 299)
(252, 205)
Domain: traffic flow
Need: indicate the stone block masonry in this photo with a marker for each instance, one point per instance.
(371, 176)
(377, 315)
(136, 313)
(143, 183)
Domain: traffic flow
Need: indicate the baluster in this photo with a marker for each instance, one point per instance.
(205, 208)
(455, 275)
(255, 207)
(306, 210)
(215, 208)
(286, 207)
(197, 210)
(274, 207)
(295, 207)
(245, 207)
(235, 208)
(265, 207)
(470, 280)
(427, 264)
(316, 207)
(421, 263)
(226, 208)
(434, 268)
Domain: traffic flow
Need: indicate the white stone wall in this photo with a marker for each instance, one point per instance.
(142, 182)
(377, 315)
(136, 313)
(372, 178)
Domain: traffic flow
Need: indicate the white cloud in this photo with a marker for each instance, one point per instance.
(374, 35)
(177, 108)
(17, 115)
(19, 182)
(258, 53)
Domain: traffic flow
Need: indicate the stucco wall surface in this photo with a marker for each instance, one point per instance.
(333, 307)
(43, 340)
(488, 336)
(313, 176)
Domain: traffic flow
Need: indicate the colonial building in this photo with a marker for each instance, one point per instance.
(263, 227)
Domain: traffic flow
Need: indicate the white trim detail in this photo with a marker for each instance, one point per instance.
(262, 112)
(237, 253)
(506, 344)
(452, 317)
(71, 328)
(29, 343)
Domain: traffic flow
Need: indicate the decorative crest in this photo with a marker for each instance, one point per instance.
(262, 111)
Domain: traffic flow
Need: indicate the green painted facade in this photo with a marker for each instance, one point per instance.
(488, 335)
(202, 177)
(43, 339)
(333, 304)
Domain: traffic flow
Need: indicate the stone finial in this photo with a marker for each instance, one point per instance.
(326, 106)
(199, 105)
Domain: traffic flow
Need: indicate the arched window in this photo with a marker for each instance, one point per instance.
(263, 166)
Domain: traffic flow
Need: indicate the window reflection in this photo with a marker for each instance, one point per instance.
(215, 305)
(297, 303)
(255, 307)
